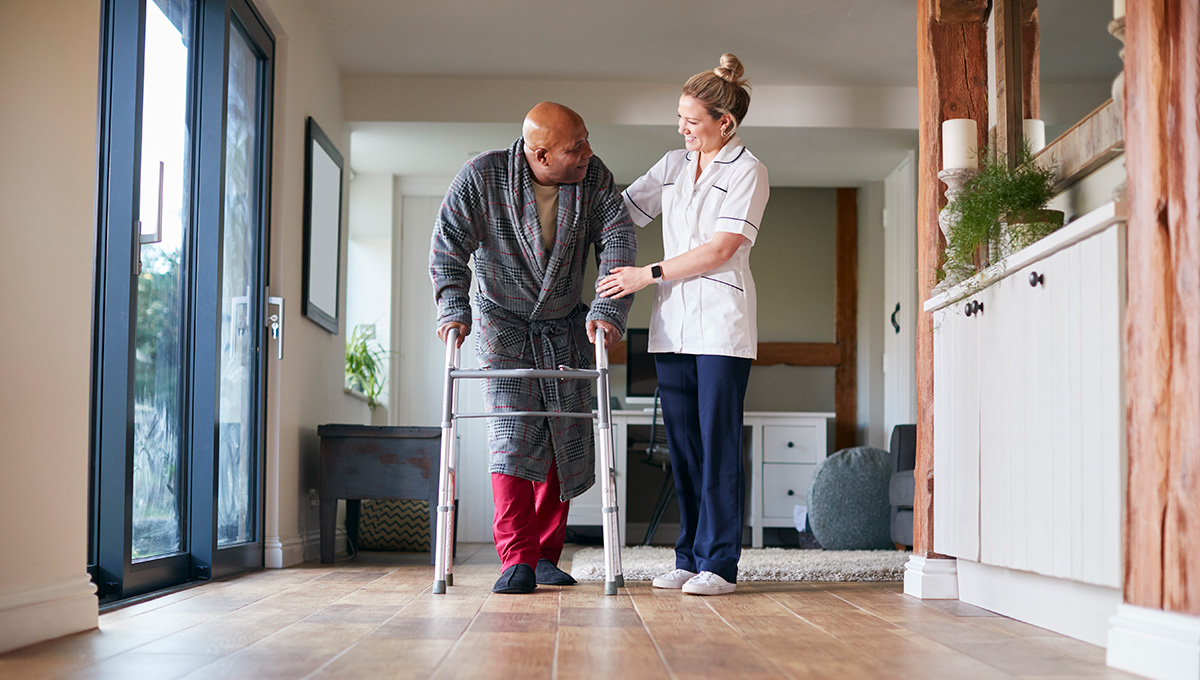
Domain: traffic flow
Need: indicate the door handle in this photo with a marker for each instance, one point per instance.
(275, 323)
(894, 313)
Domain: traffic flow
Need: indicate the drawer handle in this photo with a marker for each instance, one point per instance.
(973, 307)
(791, 445)
(791, 493)
(1036, 278)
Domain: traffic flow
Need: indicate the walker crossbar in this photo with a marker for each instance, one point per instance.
(443, 542)
(560, 373)
(547, 414)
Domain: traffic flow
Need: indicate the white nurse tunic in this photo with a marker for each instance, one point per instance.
(714, 312)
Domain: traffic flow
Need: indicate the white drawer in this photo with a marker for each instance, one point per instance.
(785, 485)
(792, 444)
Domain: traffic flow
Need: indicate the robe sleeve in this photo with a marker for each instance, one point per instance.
(459, 229)
(616, 246)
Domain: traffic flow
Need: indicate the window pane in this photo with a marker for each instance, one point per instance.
(238, 387)
(157, 468)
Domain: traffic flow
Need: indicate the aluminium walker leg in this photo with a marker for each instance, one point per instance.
(613, 577)
(443, 551)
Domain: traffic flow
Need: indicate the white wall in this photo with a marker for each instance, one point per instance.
(49, 60)
(305, 389)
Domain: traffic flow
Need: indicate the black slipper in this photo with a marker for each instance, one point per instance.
(517, 579)
(550, 575)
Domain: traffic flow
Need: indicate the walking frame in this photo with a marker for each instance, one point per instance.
(443, 572)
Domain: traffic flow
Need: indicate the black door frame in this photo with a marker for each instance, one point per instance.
(114, 311)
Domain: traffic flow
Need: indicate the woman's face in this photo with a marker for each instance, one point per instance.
(701, 132)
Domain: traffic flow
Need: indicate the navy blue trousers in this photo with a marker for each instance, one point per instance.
(702, 402)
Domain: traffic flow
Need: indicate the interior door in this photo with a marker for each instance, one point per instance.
(900, 296)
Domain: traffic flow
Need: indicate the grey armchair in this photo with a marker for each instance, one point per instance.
(902, 489)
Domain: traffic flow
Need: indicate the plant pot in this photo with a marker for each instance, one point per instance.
(1021, 228)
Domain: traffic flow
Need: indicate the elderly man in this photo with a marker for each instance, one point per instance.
(529, 214)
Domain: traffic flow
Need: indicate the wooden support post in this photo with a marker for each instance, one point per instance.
(951, 83)
(1031, 60)
(1007, 16)
(1162, 131)
(846, 378)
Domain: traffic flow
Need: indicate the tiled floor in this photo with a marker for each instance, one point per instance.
(375, 617)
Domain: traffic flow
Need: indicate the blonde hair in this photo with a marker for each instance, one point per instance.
(722, 90)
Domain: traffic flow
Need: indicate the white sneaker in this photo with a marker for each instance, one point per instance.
(708, 583)
(674, 579)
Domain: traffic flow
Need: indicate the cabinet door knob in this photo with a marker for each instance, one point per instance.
(791, 444)
(791, 493)
(973, 307)
(1036, 278)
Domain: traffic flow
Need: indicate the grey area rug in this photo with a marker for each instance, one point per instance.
(642, 563)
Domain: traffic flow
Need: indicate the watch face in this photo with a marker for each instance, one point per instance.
(656, 271)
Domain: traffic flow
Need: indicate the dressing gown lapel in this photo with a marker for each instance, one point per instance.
(529, 224)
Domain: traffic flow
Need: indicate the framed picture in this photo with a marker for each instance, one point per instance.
(322, 228)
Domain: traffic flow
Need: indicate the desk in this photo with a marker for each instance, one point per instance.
(377, 463)
(784, 450)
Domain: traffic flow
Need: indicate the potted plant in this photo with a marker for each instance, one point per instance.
(1000, 211)
(364, 364)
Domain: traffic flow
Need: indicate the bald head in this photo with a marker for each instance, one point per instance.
(556, 144)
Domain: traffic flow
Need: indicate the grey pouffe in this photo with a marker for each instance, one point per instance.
(848, 506)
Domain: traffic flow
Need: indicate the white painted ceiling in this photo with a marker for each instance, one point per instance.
(781, 42)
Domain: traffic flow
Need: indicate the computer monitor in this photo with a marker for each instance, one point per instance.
(641, 378)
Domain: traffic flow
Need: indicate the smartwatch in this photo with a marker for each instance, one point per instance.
(656, 272)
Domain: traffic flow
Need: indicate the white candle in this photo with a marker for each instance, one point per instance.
(1118, 9)
(959, 146)
(1035, 134)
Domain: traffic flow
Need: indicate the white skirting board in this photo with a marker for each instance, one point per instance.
(281, 552)
(931, 579)
(1079, 610)
(30, 615)
(1155, 643)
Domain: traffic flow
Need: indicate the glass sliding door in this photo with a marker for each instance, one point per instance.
(178, 362)
(163, 215)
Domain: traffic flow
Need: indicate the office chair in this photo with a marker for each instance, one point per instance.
(658, 455)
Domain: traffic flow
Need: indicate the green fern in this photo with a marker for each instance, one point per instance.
(989, 198)
(364, 363)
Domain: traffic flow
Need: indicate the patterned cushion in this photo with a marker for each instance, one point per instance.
(394, 525)
(848, 507)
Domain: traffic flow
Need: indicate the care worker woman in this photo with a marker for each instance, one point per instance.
(703, 323)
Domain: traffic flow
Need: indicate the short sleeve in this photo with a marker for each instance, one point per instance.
(742, 210)
(643, 198)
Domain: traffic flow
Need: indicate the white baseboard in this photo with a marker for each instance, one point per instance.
(1078, 610)
(931, 578)
(312, 545)
(30, 615)
(1155, 643)
(281, 552)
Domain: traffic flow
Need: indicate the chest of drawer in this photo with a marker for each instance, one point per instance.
(791, 444)
(785, 485)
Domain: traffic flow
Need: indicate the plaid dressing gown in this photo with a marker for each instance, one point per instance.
(530, 310)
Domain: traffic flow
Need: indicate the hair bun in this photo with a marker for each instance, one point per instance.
(730, 69)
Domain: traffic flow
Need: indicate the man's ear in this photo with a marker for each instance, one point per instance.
(540, 155)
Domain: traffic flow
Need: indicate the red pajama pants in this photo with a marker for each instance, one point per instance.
(531, 521)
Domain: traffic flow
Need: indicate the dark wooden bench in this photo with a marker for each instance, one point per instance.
(376, 463)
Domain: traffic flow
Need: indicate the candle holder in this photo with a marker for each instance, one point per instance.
(955, 179)
(1116, 28)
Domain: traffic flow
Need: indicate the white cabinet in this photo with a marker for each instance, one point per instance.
(1029, 433)
(784, 450)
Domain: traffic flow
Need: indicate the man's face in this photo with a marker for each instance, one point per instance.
(565, 161)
